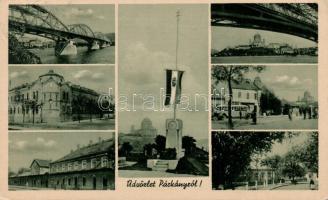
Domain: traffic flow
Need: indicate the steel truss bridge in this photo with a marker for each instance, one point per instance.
(36, 20)
(297, 19)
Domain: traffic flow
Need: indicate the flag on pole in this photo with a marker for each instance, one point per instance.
(173, 86)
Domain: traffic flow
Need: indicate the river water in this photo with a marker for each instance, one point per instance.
(265, 59)
(101, 56)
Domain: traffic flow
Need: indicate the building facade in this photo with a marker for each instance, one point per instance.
(246, 92)
(51, 99)
(91, 167)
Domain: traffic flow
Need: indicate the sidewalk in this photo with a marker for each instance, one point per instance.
(269, 122)
(95, 124)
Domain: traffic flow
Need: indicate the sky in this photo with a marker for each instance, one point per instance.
(281, 148)
(287, 144)
(98, 78)
(240, 36)
(25, 147)
(147, 47)
(290, 81)
(100, 18)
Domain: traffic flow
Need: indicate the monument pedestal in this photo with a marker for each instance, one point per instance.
(174, 136)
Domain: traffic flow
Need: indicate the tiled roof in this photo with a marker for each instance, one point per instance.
(42, 163)
(245, 84)
(97, 148)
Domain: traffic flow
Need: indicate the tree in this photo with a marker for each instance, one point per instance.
(11, 173)
(274, 162)
(270, 102)
(307, 154)
(291, 166)
(230, 74)
(189, 144)
(160, 141)
(125, 149)
(232, 153)
(22, 170)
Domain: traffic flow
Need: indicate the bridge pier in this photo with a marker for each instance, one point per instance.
(65, 48)
(103, 45)
(94, 46)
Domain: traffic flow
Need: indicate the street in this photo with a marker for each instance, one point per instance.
(268, 122)
(16, 187)
(140, 174)
(95, 124)
(300, 186)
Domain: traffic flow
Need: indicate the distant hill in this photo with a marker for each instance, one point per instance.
(110, 36)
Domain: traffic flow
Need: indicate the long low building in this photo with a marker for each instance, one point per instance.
(91, 167)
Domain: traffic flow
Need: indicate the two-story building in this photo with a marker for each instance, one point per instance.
(89, 167)
(51, 99)
(245, 92)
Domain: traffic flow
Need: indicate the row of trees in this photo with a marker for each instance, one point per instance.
(234, 151)
(297, 161)
(83, 105)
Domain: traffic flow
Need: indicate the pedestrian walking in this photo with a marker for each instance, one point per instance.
(312, 186)
(290, 113)
(254, 115)
(310, 112)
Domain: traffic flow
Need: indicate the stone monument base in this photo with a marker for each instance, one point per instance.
(162, 165)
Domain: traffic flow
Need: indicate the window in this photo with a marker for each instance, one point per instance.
(63, 167)
(69, 181)
(27, 96)
(22, 96)
(76, 165)
(255, 96)
(37, 94)
(93, 162)
(239, 94)
(33, 95)
(104, 161)
(70, 166)
(247, 95)
(84, 164)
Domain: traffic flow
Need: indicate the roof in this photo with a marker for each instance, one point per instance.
(84, 89)
(51, 73)
(245, 84)
(42, 163)
(97, 148)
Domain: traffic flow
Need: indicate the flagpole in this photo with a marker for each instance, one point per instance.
(176, 61)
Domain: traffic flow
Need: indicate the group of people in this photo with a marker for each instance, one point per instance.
(307, 112)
